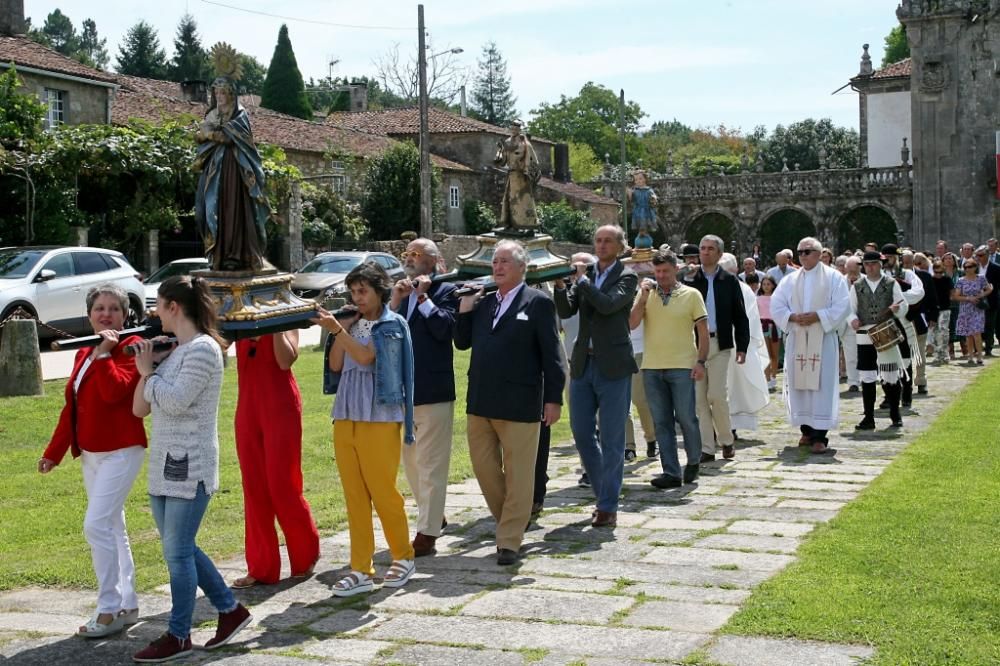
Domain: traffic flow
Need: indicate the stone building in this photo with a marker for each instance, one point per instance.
(884, 119)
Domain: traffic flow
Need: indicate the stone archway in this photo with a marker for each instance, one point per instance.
(711, 222)
(782, 229)
(863, 224)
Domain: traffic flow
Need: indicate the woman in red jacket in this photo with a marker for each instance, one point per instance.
(269, 446)
(97, 425)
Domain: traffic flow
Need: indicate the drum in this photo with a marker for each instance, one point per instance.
(885, 335)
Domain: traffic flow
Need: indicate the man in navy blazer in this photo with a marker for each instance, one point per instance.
(430, 311)
(516, 381)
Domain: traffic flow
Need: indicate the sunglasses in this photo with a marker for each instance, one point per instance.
(411, 253)
(806, 251)
(967, 266)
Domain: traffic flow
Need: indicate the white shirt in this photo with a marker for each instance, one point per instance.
(505, 303)
(427, 308)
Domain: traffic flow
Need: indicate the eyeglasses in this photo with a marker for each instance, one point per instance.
(411, 253)
(806, 251)
(967, 266)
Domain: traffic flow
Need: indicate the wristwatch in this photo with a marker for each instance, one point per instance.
(701, 361)
(421, 298)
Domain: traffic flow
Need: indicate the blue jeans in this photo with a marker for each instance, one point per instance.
(670, 394)
(178, 520)
(604, 460)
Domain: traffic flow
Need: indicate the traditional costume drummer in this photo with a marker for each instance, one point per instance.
(876, 300)
(913, 293)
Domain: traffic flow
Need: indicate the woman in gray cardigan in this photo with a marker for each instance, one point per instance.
(182, 393)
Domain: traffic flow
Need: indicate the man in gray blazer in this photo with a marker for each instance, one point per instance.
(601, 366)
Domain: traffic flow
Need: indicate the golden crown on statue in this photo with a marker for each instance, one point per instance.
(227, 61)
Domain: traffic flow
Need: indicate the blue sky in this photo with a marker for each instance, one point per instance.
(740, 63)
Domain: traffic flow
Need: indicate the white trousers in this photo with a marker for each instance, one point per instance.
(849, 341)
(426, 463)
(108, 478)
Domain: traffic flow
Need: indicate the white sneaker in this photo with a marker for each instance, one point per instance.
(772, 384)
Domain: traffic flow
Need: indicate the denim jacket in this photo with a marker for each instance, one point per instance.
(393, 366)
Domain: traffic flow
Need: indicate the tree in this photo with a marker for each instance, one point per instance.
(60, 34)
(254, 73)
(190, 62)
(398, 76)
(391, 201)
(93, 50)
(800, 142)
(897, 46)
(284, 90)
(591, 118)
(21, 114)
(583, 164)
(492, 100)
(564, 223)
(140, 53)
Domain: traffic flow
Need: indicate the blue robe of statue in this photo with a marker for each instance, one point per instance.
(643, 214)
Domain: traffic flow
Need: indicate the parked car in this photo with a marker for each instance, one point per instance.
(323, 277)
(52, 282)
(175, 267)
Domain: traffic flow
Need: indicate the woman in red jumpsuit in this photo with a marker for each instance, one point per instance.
(269, 446)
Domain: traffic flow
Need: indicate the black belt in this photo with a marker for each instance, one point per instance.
(711, 335)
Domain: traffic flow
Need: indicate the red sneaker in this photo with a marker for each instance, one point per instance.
(230, 624)
(165, 648)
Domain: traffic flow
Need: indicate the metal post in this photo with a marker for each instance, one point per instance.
(624, 176)
(425, 150)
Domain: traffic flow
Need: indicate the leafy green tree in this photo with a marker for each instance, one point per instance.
(492, 99)
(391, 200)
(897, 46)
(60, 34)
(140, 53)
(565, 223)
(190, 62)
(254, 73)
(21, 114)
(284, 90)
(591, 117)
(583, 163)
(800, 143)
(340, 219)
(93, 50)
(479, 217)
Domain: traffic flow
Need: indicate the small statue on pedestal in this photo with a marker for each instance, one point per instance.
(517, 209)
(643, 201)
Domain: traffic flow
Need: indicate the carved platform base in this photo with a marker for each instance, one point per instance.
(249, 305)
(543, 264)
(641, 262)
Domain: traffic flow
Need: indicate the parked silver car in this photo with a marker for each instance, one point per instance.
(323, 277)
(175, 267)
(52, 283)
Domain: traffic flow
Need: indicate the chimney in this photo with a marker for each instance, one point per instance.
(12, 17)
(561, 163)
(359, 97)
(465, 108)
(193, 91)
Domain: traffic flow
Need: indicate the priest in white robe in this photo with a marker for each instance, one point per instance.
(810, 305)
(748, 393)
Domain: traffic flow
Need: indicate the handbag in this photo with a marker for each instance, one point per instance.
(982, 304)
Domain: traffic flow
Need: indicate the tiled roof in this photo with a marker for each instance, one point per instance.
(574, 191)
(155, 100)
(896, 69)
(406, 121)
(23, 51)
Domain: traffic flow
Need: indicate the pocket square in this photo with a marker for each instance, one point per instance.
(522, 316)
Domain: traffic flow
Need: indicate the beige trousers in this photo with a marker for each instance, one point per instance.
(426, 463)
(503, 457)
(712, 397)
(645, 416)
(920, 378)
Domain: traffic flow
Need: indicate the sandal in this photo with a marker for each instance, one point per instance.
(95, 629)
(308, 572)
(399, 573)
(129, 616)
(245, 582)
(353, 583)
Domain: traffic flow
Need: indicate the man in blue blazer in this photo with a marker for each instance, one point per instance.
(516, 381)
(430, 311)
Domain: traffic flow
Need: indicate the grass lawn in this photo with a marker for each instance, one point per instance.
(910, 566)
(41, 517)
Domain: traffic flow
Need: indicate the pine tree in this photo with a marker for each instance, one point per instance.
(60, 34)
(190, 62)
(284, 89)
(93, 50)
(492, 100)
(140, 53)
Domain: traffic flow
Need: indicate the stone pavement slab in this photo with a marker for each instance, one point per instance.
(680, 616)
(549, 605)
(753, 651)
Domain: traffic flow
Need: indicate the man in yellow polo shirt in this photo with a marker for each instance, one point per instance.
(673, 360)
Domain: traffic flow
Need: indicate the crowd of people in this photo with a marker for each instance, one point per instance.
(686, 337)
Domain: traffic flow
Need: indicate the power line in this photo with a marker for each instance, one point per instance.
(302, 20)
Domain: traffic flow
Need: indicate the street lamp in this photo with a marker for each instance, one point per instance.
(426, 228)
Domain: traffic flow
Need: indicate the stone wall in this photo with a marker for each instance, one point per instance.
(84, 103)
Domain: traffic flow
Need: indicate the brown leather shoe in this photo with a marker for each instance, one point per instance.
(728, 451)
(604, 519)
(423, 545)
(805, 440)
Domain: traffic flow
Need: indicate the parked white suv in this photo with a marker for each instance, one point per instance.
(52, 284)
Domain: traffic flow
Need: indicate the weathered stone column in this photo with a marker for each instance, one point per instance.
(20, 362)
(82, 236)
(153, 249)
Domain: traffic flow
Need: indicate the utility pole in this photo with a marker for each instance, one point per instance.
(425, 150)
(621, 145)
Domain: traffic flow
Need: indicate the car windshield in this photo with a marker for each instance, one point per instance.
(331, 265)
(18, 263)
(172, 269)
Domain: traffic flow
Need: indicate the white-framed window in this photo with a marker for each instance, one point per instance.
(454, 197)
(56, 102)
(339, 184)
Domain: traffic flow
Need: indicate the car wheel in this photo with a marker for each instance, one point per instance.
(136, 313)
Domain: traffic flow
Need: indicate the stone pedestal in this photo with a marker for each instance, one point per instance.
(543, 264)
(20, 363)
(251, 304)
(641, 262)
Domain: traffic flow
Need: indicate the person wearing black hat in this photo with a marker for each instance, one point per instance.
(913, 293)
(874, 297)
